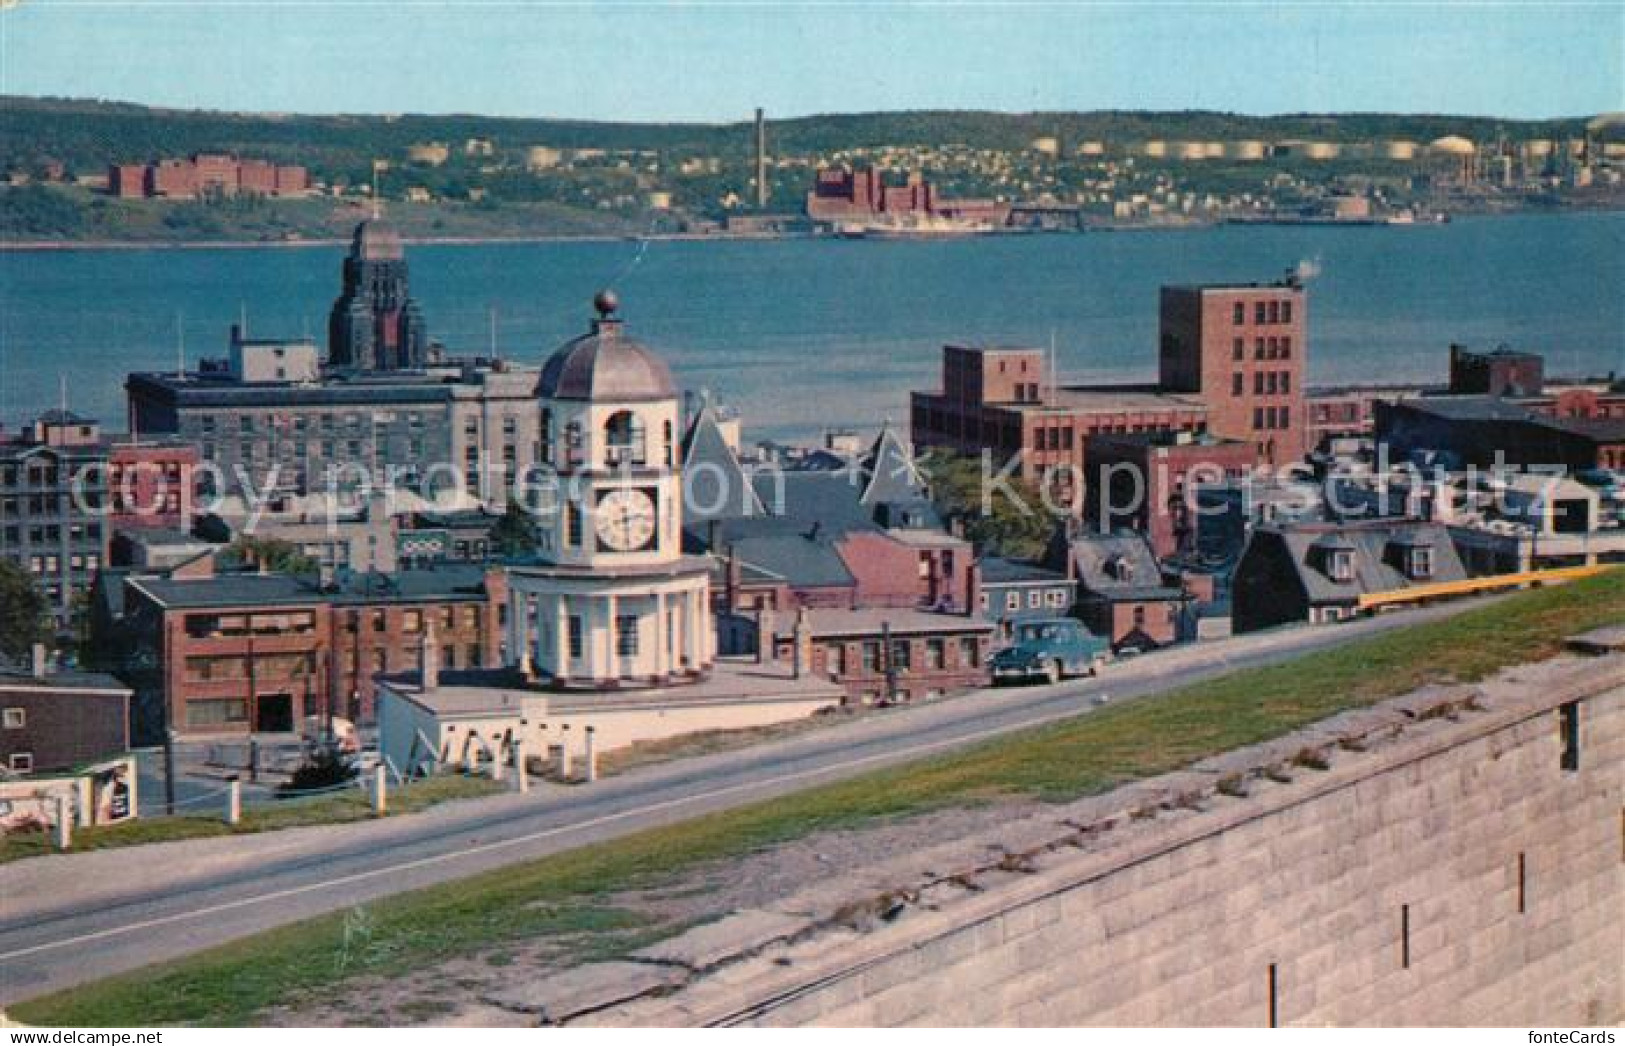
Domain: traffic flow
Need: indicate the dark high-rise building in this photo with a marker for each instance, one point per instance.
(375, 324)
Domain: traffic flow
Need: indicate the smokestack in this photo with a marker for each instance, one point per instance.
(761, 161)
(429, 675)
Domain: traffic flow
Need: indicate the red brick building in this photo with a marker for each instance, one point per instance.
(236, 654)
(206, 174)
(929, 654)
(151, 484)
(1005, 400)
(1147, 482)
(1241, 349)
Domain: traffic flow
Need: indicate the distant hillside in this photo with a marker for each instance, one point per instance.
(87, 135)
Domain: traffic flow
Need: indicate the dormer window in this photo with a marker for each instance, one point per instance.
(1120, 568)
(1419, 562)
(1340, 564)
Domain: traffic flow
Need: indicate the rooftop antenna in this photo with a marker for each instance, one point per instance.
(180, 344)
(493, 332)
(242, 318)
(375, 167)
(1053, 381)
(62, 393)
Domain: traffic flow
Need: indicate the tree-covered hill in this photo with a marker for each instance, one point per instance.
(87, 135)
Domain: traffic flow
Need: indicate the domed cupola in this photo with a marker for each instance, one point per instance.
(605, 365)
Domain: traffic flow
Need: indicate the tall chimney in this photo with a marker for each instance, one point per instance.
(761, 161)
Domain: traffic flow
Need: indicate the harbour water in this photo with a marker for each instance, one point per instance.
(805, 334)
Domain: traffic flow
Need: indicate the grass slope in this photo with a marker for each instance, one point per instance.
(1090, 754)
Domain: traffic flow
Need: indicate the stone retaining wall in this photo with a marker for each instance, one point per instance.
(1430, 860)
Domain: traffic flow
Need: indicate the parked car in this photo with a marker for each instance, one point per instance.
(1050, 650)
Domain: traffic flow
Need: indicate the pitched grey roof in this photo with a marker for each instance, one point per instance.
(1374, 567)
(716, 486)
(1118, 566)
(890, 471)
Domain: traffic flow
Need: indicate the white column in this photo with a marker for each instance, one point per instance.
(692, 629)
(662, 635)
(561, 636)
(612, 646)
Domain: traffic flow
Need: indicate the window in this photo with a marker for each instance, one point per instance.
(15, 718)
(901, 651)
(1056, 597)
(575, 636)
(1568, 728)
(967, 651)
(1238, 349)
(626, 635)
(1286, 347)
(572, 524)
(1275, 312)
(1260, 312)
(624, 440)
(22, 762)
(1258, 383)
(216, 712)
(1341, 564)
(412, 621)
(1286, 311)
(1240, 316)
(1139, 617)
(1035, 599)
(871, 658)
(1258, 418)
(936, 654)
(1258, 348)
(1012, 601)
(1420, 563)
(1237, 384)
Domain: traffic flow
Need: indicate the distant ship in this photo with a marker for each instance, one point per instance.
(911, 227)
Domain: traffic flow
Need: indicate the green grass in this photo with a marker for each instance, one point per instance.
(290, 813)
(566, 893)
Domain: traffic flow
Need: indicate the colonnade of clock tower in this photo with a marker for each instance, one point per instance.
(611, 601)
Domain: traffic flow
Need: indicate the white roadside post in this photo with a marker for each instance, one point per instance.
(564, 752)
(234, 800)
(521, 775)
(496, 761)
(64, 823)
(380, 788)
(590, 754)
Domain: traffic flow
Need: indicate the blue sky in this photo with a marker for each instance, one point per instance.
(641, 61)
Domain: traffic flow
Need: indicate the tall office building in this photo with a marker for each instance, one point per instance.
(375, 324)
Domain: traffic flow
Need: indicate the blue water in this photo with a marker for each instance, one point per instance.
(807, 334)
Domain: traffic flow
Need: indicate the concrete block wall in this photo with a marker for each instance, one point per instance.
(1384, 889)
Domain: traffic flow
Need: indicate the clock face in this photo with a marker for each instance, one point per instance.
(625, 520)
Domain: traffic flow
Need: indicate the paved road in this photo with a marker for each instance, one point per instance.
(70, 919)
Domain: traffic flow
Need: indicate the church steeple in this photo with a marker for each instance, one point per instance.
(375, 323)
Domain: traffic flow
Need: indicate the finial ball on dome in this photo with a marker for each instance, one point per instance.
(606, 302)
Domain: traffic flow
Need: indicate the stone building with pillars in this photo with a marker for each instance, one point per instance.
(611, 601)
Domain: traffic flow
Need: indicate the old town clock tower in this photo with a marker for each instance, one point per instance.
(612, 601)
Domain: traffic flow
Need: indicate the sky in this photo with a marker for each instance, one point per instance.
(716, 61)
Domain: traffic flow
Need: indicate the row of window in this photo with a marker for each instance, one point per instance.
(1054, 599)
(1265, 383)
(52, 564)
(1278, 311)
(869, 658)
(1264, 348)
(1272, 418)
(49, 505)
(41, 533)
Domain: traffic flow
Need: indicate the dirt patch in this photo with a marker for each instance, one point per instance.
(449, 994)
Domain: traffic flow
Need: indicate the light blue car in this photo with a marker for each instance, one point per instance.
(1050, 650)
